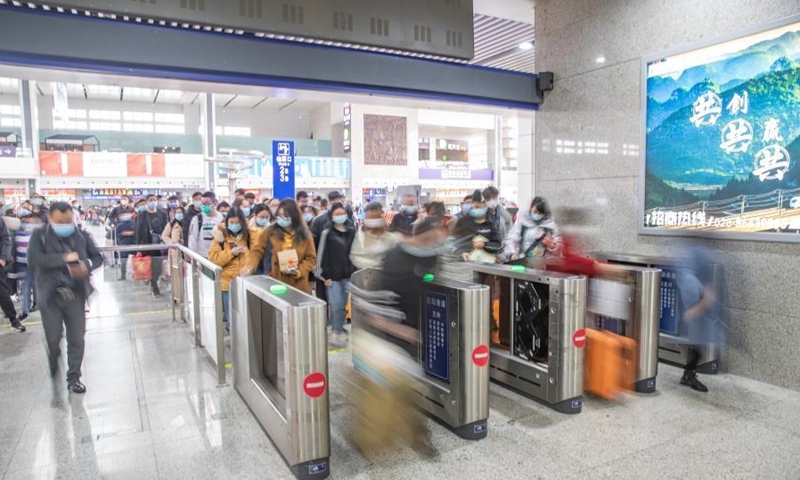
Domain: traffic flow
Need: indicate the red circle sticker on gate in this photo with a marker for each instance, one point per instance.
(480, 356)
(579, 338)
(314, 384)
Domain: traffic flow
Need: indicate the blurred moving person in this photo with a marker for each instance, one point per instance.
(22, 237)
(289, 247)
(703, 312)
(63, 258)
(373, 240)
(231, 254)
(6, 266)
(334, 268)
(478, 253)
(498, 215)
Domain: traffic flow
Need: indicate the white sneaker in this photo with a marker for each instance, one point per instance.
(338, 339)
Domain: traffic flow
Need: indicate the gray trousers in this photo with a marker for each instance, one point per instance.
(57, 313)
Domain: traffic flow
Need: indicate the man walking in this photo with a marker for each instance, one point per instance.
(6, 263)
(62, 258)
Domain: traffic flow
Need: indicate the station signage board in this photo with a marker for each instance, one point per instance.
(283, 166)
(437, 336)
(347, 120)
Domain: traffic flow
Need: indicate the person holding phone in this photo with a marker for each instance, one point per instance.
(63, 257)
(230, 253)
(288, 245)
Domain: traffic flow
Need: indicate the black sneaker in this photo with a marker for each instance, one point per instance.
(22, 317)
(690, 380)
(18, 326)
(77, 387)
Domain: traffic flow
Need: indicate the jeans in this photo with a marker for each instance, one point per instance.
(226, 306)
(337, 301)
(26, 292)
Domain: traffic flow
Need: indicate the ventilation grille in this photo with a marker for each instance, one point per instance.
(343, 21)
(379, 26)
(455, 39)
(293, 14)
(191, 4)
(249, 8)
(422, 33)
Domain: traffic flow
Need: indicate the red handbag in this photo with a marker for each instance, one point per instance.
(142, 267)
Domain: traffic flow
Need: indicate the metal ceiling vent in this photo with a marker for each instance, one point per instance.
(293, 14)
(379, 26)
(191, 4)
(250, 8)
(343, 21)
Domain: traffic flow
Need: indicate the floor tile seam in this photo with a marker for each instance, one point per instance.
(144, 416)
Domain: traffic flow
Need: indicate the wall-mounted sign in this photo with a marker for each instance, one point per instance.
(120, 165)
(385, 140)
(437, 336)
(347, 118)
(455, 174)
(424, 149)
(452, 150)
(283, 169)
(722, 139)
(8, 151)
(113, 193)
(51, 193)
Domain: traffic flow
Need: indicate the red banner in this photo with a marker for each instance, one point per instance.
(61, 164)
(146, 165)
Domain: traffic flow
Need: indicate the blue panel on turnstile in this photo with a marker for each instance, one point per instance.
(670, 313)
(437, 341)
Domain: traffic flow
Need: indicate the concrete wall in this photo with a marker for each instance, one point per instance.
(601, 103)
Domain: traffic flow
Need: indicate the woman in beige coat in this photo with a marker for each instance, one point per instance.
(173, 235)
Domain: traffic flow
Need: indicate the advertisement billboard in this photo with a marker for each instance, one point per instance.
(722, 138)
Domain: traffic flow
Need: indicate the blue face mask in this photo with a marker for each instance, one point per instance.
(143, 208)
(63, 229)
(478, 212)
(308, 217)
(173, 206)
(339, 219)
(246, 211)
(262, 222)
(467, 207)
(198, 205)
(179, 217)
(152, 205)
(536, 217)
(37, 201)
(125, 218)
(284, 222)
(410, 209)
(234, 228)
(23, 212)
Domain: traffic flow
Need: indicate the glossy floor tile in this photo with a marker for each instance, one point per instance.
(154, 411)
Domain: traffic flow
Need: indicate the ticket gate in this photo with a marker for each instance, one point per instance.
(453, 352)
(538, 333)
(630, 309)
(672, 348)
(280, 354)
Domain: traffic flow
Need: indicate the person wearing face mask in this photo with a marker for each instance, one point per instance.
(6, 267)
(125, 206)
(309, 214)
(22, 274)
(223, 208)
(150, 224)
(273, 203)
(403, 223)
(261, 218)
(126, 235)
(201, 230)
(334, 268)
(194, 209)
(244, 205)
(173, 235)
(373, 240)
(290, 235)
(302, 199)
(498, 215)
(39, 207)
(477, 223)
(529, 230)
(231, 254)
(173, 202)
(63, 258)
(319, 225)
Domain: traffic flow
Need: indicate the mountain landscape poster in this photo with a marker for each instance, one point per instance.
(722, 138)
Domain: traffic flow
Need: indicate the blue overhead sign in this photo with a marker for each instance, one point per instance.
(283, 169)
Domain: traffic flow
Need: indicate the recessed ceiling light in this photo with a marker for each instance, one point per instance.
(601, 60)
(526, 45)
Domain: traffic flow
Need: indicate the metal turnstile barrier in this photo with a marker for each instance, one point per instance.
(538, 332)
(453, 378)
(280, 351)
(672, 345)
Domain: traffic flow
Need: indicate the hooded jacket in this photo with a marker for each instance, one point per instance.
(221, 253)
(526, 232)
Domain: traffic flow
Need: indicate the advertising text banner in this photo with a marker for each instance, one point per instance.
(61, 164)
(105, 164)
(185, 166)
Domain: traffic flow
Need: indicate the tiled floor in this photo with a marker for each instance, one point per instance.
(154, 410)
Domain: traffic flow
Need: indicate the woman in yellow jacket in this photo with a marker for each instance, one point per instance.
(231, 254)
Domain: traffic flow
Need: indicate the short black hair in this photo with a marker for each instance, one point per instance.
(301, 194)
(198, 194)
(152, 196)
(334, 195)
(173, 197)
(466, 198)
(425, 226)
(210, 194)
(250, 196)
(239, 191)
(324, 202)
(541, 206)
(477, 196)
(223, 204)
(62, 207)
(336, 205)
(491, 192)
(375, 207)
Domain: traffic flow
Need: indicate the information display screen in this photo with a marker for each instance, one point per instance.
(437, 336)
(670, 312)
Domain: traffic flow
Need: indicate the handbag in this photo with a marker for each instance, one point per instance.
(142, 267)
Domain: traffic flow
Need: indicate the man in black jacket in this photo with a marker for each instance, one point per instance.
(192, 211)
(149, 226)
(6, 261)
(62, 258)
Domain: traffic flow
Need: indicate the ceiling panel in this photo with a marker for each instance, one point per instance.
(497, 42)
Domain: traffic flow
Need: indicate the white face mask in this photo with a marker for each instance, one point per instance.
(374, 223)
(492, 204)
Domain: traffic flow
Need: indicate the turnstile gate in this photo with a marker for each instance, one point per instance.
(538, 333)
(280, 355)
(629, 308)
(672, 348)
(453, 353)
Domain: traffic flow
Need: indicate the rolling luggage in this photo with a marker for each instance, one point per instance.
(610, 363)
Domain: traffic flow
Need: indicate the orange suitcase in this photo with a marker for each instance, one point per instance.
(610, 363)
